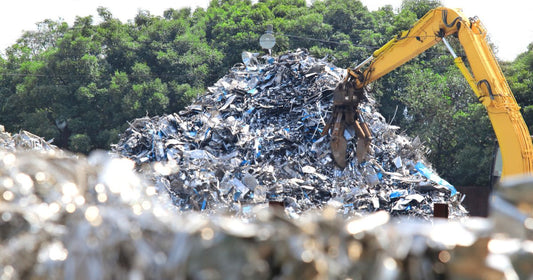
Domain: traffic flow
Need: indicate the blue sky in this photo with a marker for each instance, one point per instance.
(509, 23)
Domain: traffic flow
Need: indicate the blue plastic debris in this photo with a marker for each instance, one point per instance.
(434, 177)
(236, 196)
(250, 111)
(397, 194)
(305, 194)
(306, 116)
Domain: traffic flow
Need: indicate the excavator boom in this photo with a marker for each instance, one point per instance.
(485, 78)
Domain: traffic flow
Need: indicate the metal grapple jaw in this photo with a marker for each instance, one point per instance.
(346, 115)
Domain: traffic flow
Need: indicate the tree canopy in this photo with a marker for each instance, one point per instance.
(80, 84)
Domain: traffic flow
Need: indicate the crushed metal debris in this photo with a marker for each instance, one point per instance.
(255, 137)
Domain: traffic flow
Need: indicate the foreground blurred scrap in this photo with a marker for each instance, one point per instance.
(256, 136)
(63, 217)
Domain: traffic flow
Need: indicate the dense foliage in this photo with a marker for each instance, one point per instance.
(81, 84)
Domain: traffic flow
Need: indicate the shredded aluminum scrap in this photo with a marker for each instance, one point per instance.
(256, 136)
(65, 217)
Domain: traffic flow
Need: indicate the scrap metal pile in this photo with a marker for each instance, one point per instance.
(256, 136)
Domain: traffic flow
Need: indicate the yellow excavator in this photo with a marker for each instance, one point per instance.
(484, 77)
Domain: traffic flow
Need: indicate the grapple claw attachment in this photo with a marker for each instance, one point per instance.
(346, 98)
(338, 143)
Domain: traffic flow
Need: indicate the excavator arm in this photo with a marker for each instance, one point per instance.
(485, 78)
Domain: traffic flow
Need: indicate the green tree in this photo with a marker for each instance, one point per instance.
(520, 77)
